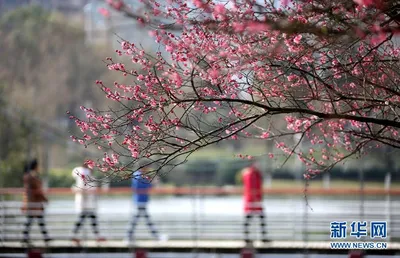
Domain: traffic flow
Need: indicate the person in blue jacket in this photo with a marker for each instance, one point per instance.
(141, 186)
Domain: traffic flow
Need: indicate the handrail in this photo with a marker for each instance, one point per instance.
(221, 191)
(114, 225)
(283, 225)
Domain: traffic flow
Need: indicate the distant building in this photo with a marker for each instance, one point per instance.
(98, 29)
(115, 28)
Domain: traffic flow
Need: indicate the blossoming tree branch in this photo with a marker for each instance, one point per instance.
(320, 79)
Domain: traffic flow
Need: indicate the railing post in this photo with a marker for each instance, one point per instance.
(362, 197)
(268, 180)
(326, 180)
(3, 219)
(388, 179)
(194, 192)
(305, 221)
(293, 219)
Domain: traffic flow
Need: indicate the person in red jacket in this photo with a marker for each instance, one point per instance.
(253, 197)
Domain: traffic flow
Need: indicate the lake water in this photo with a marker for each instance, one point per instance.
(225, 205)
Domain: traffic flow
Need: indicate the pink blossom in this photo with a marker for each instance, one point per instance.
(256, 27)
(135, 153)
(219, 10)
(280, 145)
(214, 73)
(226, 66)
(116, 4)
(125, 45)
(169, 48)
(364, 2)
(238, 26)
(297, 39)
(105, 12)
(153, 33)
(87, 137)
(360, 33)
(156, 12)
(177, 79)
(199, 3)
(90, 163)
(379, 38)
(292, 77)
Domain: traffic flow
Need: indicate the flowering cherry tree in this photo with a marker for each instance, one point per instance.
(327, 70)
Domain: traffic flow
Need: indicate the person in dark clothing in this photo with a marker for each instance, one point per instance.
(33, 200)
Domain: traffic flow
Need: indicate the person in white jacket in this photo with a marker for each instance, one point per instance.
(85, 200)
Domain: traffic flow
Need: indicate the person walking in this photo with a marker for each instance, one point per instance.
(141, 186)
(253, 197)
(85, 200)
(33, 201)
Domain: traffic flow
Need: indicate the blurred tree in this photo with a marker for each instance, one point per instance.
(13, 147)
(227, 173)
(47, 61)
(45, 70)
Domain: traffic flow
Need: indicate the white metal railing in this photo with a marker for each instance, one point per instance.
(293, 224)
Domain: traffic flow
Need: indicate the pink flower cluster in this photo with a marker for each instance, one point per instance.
(233, 68)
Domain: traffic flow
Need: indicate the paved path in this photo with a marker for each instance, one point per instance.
(188, 246)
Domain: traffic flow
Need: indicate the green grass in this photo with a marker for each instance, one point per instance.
(256, 151)
(61, 171)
